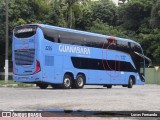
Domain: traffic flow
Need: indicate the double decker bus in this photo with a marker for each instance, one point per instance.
(66, 58)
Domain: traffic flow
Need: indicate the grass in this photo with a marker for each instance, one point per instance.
(11, 82)
(2, 82)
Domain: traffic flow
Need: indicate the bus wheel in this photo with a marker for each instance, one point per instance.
(79, 82)
(124, 85)
(43, 85)
(130, 82)
(67, 81)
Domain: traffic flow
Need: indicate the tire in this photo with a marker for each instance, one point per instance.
(124, 85)
(79, 82)
(130, 82)
(67, 81)
(42, 85)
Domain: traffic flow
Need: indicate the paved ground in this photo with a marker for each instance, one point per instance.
(118, 98)
(146, 98)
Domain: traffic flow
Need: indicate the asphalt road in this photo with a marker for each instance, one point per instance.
(145, 97)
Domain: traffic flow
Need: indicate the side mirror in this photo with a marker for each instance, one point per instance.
(145, 57)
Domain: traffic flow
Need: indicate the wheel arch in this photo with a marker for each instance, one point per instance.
(70, 74)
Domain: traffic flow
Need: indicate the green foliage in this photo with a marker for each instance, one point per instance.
(150, 43)
(134, 14)
(106, 11)
(140, 17)
(155, 15)
(57, 14)
(2, 33)
(20, 12)
(84, 20)
(99, 27)
(157, 54)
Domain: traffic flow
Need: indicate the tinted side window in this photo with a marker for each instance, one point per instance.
(70, 38)
(98, 64)
(80, 62)
(122, 46)
(112, 44)
(50, 34)
(84, 40)
(92, 41)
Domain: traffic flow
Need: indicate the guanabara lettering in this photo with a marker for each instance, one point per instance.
(74, 49)
(25, 30)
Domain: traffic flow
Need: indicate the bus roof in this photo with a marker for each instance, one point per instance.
(84, 32)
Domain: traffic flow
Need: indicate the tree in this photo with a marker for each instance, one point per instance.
(84, 21)
(99, 27)
(155, 15)
(21, 12)
(123, 1)
(57, 14)
(106, 11)
(157, 55)
(2, 34)
(135, 13)
(150, 44)
(73, 7)
(70, 4)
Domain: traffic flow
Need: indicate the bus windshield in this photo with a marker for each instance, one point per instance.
(137, 57)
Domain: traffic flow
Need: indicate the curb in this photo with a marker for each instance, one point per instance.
(17, 85)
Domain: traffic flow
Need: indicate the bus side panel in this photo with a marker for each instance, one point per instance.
(48, 68)
(53, 73)
(58, 69)
(68, 66)
(98, 77)
(117, 77)
(103, 77)
(92, 77)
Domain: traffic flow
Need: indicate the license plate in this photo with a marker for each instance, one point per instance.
(24, 78)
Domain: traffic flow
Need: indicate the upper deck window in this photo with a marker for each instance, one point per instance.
(72, 38)
(25, 31)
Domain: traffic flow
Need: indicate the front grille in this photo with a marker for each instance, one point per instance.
(24, 57)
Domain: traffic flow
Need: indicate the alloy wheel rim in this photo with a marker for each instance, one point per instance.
(67, 82)
(80, 81)
(131, 82)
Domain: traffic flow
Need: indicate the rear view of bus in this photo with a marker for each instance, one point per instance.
(26, 62)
